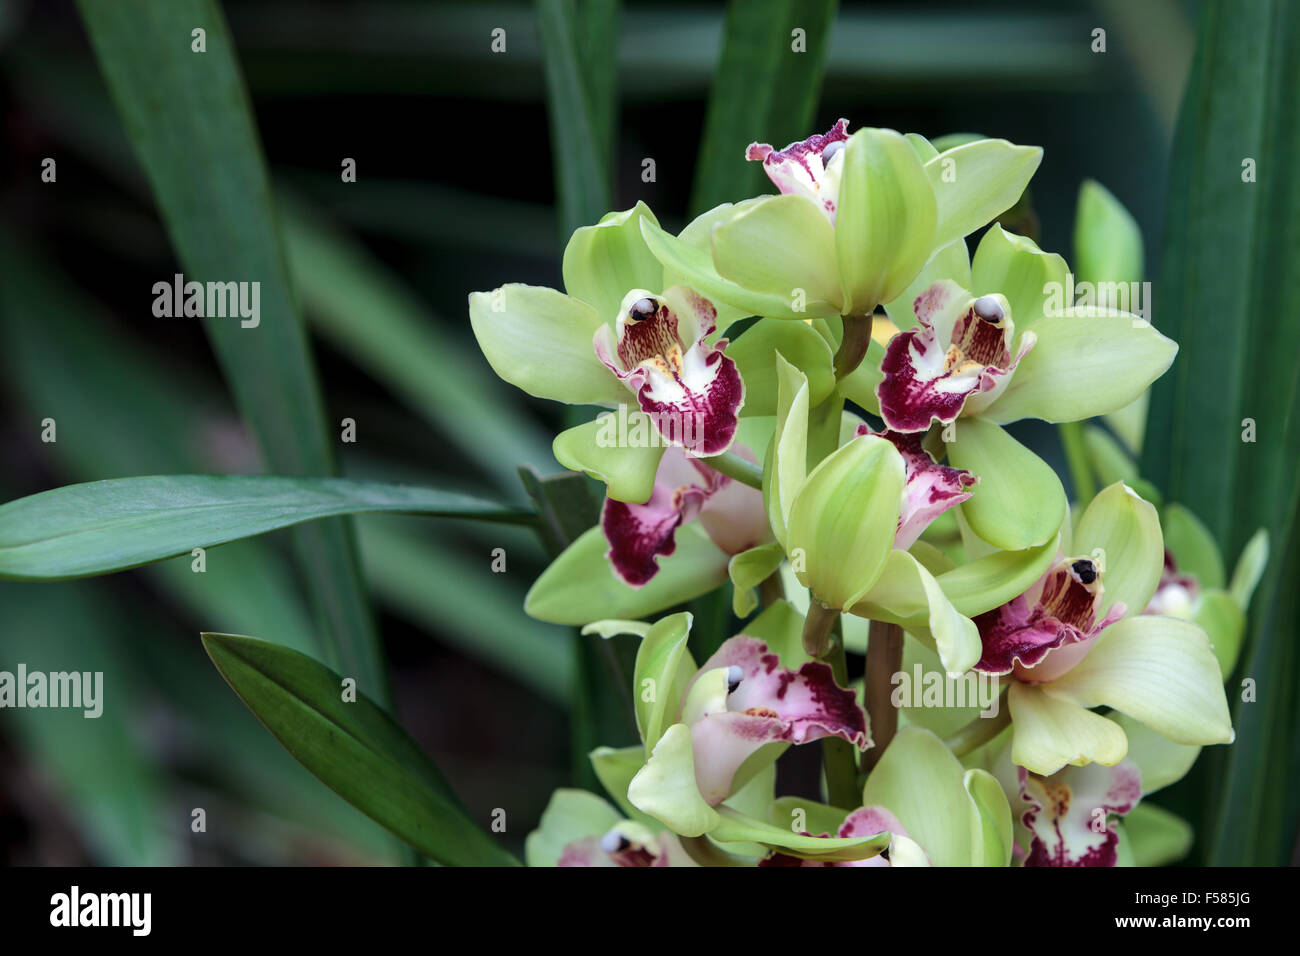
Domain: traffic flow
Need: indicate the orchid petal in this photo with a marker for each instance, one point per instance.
(1219, 613)
(539, 340)
(1122, 532)
(749, 569)
(1014, 266)
(807, 168)
(737, 828)
(1088, 364)
(991, 828)
(798, 343)
(570, 815)
(1065, 809)
(931, 489)
(975, 182)
(1161, 761)
(1158, 670)
(663, 671)
(1249, 569)
(626, 467)
(1019, 502)
(1192, 545)
(603, 261)
(1049, 732)
(951, 262)
(665, 787)
(860, 385)
(1156, 836)
(787, 464)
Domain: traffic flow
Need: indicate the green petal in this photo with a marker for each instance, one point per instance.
(541, 342)
(570, 815)
(579, 586)
(696, 269)
(884, 228)
(602, 263)
(699, 233)
(950, 262)
(665, 787)
(663, 668)
(1192, 546)
(627, 469)
(923, 784)
(1107, 240)
(815, 817)
(1224, 622)
(993, 580)
(737, 828)
(615, 768)
(976, 182)
(991, 830)
(1157, 837)
(1122, 533)
(1014, 266)
(747, 571)
(1158, 670)
(943, 721)
(1082, 366)
(754, 353)
(782, 245)
(1161, 761)
(844, 518)
(787, 464)
(1048, 732)
(859, 386)
(1019, 502)
(1109, 460)
(1250, 568)
(905, 589)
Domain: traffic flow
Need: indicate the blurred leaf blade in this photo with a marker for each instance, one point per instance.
(188, 117)
(764, 89)
(1232, 235)
(354, 747)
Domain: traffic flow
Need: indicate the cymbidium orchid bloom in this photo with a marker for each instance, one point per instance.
(1076, 641)
(580, 829)
(686, 489)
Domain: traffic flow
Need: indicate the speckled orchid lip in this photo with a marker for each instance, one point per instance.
(685, 488)
(957, 360)
(931, 488)
(1058, 614)
(807, 167)
(742, 698)
(1064, 809)
(658, 348)
(626, 845)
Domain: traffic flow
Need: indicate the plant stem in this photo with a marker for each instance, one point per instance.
(1077, 458)
(771, 590)
(838, 759)
(817, 628)
(853, 345)
(884, 660)
(979, 732)
(733, 466)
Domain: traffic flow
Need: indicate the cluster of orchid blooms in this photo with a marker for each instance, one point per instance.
(736, 356)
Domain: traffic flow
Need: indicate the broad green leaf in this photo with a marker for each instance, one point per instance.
(354, 747)
(626, 466)
(103, 526)
(579, 587)
(763, 89)
(540, 340)
(783, 245)
(975, 182)
(799, 344)
(1019, 502)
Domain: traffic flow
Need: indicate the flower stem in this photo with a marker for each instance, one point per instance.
(733, 466)
(979, 732)
(770, 589)
(884, 660)
(838, 759)
(817, 628)
(853, 345)
(1077, 458)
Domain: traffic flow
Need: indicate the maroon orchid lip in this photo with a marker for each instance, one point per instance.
(765, 703)
(960, 349)
(692, 392)
(931, 488)
(685, 488)
(803, 167)
(1060, 610)
(1064, 811)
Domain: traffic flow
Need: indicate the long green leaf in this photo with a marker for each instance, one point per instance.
(189, 119)
(1228, 291)
(764, 89)
(354, 747)
(103, 526)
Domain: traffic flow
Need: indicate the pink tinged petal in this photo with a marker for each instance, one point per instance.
(960, 348)
(691, 390)
(734, 516)
(639, 534)
(767, 704)
(931, 488)
(1068, 813)
(1057, 616)
(1176, 593)
(617, 849)
(806, 168)
(585, 852)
